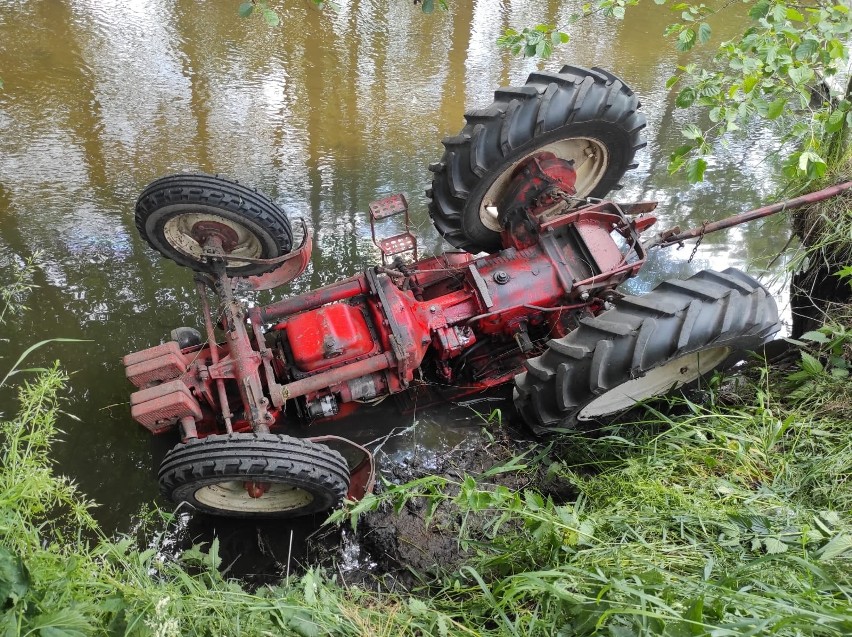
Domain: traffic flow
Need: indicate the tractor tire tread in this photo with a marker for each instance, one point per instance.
(575, 102)
(310, 465)
(708, 310)
(220, 193)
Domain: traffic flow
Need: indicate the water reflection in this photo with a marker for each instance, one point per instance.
(324, 114)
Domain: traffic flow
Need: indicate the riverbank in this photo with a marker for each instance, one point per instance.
(725, 511)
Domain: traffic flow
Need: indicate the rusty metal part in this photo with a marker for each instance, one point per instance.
(293, 264)
(670, 237)
(638, 207)
(227, 237)
(338, 375)
(362, 465)
(243, 361)
(336, 292)
(224, 407)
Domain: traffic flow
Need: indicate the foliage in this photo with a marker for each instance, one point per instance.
(16, 289)
(262, 9)
(780, 70)
(533, 41)
(721, 520)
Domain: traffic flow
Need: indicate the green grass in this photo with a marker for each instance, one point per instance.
(729, 516)
(725, 520)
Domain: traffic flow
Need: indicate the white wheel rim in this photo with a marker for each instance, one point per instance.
(590, 161)
(231, 495)
(178, 232)
(671, 375)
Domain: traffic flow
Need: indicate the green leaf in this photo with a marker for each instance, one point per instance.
(759, 10)
(427, 6)
(271, 17)
(806, 49)
(749, 82)
(685, 98)
(774, 546)
(558, 37)
(810, 364)
(695, 170)
(674, 79)
(681, 150)
(775, 108)
(246, 9)
(816, 337)
(14, 580)
(691, 131)
(839, 544)
(812, 164)
(686, 40)
(672, 29)
(704, 33)
(800, 74)
(834, 122)
(794, 16)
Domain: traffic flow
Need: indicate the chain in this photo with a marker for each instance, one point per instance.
(698, 243)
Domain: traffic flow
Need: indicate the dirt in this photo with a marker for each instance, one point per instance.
(402, 546)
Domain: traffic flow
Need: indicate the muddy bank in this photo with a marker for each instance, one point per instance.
(395, 548)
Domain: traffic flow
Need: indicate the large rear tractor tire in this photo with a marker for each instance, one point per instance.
(588, 116)
(173, 212)
(254, 475)
(646, 346)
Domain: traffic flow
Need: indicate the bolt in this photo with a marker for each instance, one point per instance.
(584, 296)
(501, 277)
(433, 308)
(683, 370)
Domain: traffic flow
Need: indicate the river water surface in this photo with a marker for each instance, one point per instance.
(324, 113)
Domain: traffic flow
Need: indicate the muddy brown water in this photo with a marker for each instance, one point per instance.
(324, 114)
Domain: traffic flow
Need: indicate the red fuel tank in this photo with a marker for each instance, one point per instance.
(328, 336)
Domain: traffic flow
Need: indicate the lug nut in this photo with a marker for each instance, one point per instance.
(501, 277)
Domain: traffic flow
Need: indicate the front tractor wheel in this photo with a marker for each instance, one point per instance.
(646, 346)
(254, 475)
(179, 214)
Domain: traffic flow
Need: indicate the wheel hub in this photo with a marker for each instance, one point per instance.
(256, 489)
(205, 231)
(590, 159)
(253, 497)
(191, 232)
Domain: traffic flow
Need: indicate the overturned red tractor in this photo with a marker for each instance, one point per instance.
(520, 186)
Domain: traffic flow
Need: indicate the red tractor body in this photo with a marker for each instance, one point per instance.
(454, 319)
